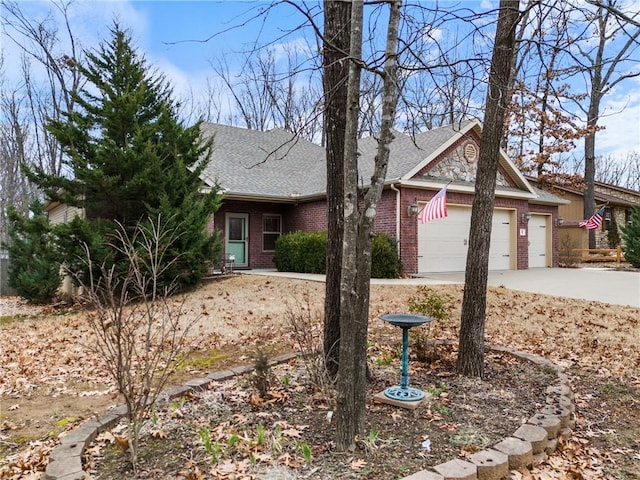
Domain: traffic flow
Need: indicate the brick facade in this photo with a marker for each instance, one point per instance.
(458, 162)
(311, 216)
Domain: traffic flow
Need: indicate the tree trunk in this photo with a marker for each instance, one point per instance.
(356, 254)
(351, 375)
(337, 21)
(471, 343)
(589, 179)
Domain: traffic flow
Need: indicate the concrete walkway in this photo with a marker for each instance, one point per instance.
(598, 284)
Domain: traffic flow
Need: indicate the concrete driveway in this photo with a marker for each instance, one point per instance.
(599, 284)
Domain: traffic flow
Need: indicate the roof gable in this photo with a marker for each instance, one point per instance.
(450, 154)
(276, 164)
(603, 193)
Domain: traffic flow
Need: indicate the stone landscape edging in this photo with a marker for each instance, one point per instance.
(534, 439)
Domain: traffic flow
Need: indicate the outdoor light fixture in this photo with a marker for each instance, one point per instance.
(560, 221)
(526, 217)
(412, 209)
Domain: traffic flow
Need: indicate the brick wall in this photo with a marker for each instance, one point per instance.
(307, 217)
(311, 216)
(409, 225)
(257, 258)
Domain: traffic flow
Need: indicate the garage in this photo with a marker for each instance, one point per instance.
(539, 241)
(443, 243)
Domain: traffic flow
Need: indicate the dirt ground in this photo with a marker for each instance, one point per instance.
(50, 381)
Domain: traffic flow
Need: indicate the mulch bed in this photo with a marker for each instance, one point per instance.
(231, 432)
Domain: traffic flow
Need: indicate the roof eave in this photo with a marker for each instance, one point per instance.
(284, 199)
(470, 189)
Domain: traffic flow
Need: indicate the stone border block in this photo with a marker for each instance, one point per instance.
(83, 435)
(175, 392)
(70, 450)
(424, 475)
(491, 464)
(64, 466)
(536, 436)
(564, 414)
(518, 451)
(457, 470)
(199, 384)
(242, 369)
(221, 375)
(552, 446)
(550, 423)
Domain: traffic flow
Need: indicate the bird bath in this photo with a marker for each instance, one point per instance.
(405, 321)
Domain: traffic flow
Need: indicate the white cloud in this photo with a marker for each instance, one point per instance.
(620, 114)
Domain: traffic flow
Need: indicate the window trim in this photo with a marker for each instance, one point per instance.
(265, 216)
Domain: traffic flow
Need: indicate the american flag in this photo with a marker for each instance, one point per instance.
(436, 208)
(594, 221)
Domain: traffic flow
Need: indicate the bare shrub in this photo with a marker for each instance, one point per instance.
(140, 331)
(568, 254)
(262, 376)
(305, 327)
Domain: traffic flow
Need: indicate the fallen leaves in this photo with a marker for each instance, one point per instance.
(47, 355)
(357, 465)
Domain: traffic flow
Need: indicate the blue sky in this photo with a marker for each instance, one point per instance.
(170, 34)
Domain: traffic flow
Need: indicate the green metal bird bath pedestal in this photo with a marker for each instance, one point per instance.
(406, 321)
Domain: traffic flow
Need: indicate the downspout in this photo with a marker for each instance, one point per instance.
(393, 187)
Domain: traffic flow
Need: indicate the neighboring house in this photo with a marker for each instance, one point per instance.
(619, 203)
(275, 183)
(61, 212)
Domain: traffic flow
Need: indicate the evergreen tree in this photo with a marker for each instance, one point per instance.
(34, 269)
(631, 235)
(131, 158)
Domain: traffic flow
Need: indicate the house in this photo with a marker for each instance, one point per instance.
(619, 203)
(275, 183)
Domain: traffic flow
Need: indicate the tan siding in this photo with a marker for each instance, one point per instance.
(64, 213)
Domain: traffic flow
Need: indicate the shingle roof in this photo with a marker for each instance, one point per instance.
(276, 163)
(545, 197)
(406, 151)
(270, 164)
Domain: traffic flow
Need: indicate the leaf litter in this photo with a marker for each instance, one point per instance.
(596, 343)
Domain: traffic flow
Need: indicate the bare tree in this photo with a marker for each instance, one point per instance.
(620, 170)
(15, 144)
(57, 54)
(541, 127)
(267, 95)
(47, 76)
(471, 343)
(337, 30)
(605, 61)
(358, 223)
(140, 331)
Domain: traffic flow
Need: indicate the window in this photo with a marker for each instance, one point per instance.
(271, 230)
(607, 219)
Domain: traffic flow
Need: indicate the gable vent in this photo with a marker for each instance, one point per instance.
(471, 152)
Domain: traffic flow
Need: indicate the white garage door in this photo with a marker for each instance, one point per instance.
(443, 243)
(538, 241)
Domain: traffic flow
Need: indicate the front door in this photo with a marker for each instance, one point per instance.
(237, 238)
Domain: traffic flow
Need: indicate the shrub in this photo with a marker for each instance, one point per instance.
(34, 270)
(631, 234)
(303, 252)
(613, 234)
(385, 262)
(430, 303)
